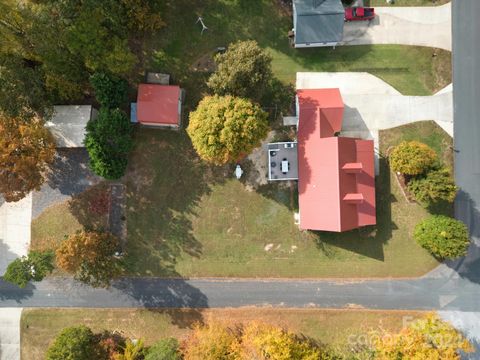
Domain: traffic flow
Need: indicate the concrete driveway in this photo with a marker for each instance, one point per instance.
(15, 219)
(372, 105)
(423, 26)
(10, 333)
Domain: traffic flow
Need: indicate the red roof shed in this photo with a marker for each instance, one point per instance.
(336, 174)
(159, 105)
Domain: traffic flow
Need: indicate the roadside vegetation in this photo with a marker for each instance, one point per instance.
(189, 333)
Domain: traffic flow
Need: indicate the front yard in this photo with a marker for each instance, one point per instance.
(333, 327)
(188, 219)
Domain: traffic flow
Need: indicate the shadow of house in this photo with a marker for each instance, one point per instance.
(69, 175)
(368, 241)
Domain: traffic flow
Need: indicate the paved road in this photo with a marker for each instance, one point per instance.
(422, 26)
(453, 293)
(466, 86)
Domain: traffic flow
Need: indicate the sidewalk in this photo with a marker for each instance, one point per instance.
(15, 219)
(10, 333)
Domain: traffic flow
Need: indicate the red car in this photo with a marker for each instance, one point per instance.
(359, 14)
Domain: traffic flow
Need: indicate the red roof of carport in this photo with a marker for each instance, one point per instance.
(158, 104)
(332, 196)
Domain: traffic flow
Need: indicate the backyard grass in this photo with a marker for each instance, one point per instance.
(185, 218)
(179, 45)
(334, 327)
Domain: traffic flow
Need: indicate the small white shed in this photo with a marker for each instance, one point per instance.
(68, 124)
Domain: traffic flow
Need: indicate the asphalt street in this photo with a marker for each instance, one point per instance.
(453, 286)
(453, 293)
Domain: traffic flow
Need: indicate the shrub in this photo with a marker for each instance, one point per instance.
(412, 158)
(110, 91)
(434, 186)
(108, 142)
(442, 236)
(73, 343)
(244, 70)
(224, 128)
(34, 267)
(426, 338)
(165, 349)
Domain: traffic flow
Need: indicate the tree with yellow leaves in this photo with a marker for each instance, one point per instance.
(90, 257)
(26, 150)
(428, 338)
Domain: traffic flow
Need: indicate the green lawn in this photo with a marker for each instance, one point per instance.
(431, 134)
(411, 70)
(334, 327)
(187, 219)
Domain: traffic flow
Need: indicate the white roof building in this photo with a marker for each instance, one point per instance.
(68, 124)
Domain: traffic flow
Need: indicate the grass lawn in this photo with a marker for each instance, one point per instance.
(411, 70)
(66, 218)
(431, 134)
(187, 219)
(40, 326)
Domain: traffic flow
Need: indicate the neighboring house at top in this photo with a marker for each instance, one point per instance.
(336, 175)
(317, 22)
(158, 105)
(68, 124)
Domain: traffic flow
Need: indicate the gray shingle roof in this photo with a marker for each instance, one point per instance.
(318, 21)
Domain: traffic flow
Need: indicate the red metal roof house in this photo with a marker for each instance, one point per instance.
(336, 175)
(159, 105)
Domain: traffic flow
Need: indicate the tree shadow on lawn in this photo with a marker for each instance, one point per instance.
(165, 181)
(367, 241)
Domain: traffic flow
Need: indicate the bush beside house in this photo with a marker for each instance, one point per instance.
(442, 236)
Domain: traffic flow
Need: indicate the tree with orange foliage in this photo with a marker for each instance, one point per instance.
(428, 338)
(90, 257)
(26, 150)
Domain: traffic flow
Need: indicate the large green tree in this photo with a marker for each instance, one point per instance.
(90, 257)
(108, 142)
(111, 91)
(34, 267)
(26, 150)
(443, 236)
(22, 88)
(223, 129)
(244, 70)
(74, 343)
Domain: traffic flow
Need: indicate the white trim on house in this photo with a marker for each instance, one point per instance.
(307, 45)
